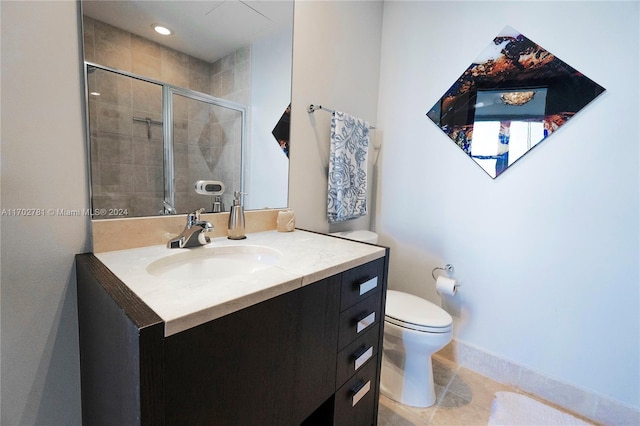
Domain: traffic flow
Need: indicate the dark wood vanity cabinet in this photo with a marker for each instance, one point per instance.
(265, 365)
(310, 356)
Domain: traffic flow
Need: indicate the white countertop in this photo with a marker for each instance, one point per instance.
(304, 258)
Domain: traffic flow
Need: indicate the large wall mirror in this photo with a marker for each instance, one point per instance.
(208, 102)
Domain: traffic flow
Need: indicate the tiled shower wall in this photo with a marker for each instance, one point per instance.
(127, 157)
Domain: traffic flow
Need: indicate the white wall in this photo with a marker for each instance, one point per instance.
(548, 252)
(43, 167)
(336, 51)
(267, 166)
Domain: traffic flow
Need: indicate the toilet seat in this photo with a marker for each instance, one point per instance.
(415, 313)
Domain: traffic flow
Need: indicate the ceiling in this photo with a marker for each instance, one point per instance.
(207, 30)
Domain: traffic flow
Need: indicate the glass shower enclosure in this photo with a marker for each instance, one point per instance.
(151, 141)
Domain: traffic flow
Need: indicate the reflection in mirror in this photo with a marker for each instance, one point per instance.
(513, 96)
(127, 154)
(281, 131)
(165, 113)
(207, 144)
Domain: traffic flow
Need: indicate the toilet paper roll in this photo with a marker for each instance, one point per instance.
(445, 285)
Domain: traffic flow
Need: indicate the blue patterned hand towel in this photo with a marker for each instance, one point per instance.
(347, 196)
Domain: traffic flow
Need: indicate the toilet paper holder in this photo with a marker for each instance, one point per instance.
(447, 268)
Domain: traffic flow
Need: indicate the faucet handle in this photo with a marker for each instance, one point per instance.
(194, 217)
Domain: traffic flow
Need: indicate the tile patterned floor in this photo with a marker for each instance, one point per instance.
(463, 398)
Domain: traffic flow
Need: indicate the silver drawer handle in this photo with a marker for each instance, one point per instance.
(360, 393)
(363, 357)
(366, 322)
(368, 285)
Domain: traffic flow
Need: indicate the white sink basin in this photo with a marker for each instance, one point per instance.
(209, 262)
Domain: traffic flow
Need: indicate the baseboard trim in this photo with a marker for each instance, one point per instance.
(598, 408)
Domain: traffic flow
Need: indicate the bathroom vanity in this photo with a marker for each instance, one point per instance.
(295, 341)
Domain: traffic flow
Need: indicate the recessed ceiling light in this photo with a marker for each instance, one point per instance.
(161, 29)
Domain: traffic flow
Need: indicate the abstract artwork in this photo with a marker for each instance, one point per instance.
(513, 96)
(281, 131)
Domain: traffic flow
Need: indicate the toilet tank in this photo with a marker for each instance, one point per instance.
(360, 235)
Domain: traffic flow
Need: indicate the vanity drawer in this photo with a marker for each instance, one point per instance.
(357, 354)
(358, 319)
(355, 400)
(361, 282)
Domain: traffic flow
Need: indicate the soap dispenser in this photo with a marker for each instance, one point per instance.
(236, 219)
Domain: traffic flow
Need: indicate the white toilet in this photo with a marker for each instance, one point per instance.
(414, 329)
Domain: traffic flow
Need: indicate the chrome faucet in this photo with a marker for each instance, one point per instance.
(194, 234)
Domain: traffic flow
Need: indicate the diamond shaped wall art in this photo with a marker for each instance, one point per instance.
(512, 97)
(281, 131)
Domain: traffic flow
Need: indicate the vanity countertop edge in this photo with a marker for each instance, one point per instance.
(306, 257)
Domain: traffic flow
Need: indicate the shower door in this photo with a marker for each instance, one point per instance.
(150, 142)
(126, 144)
(206, 137)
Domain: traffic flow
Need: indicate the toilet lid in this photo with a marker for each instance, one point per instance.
(407, 310)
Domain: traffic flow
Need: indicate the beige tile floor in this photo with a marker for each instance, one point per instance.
(463, 398)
